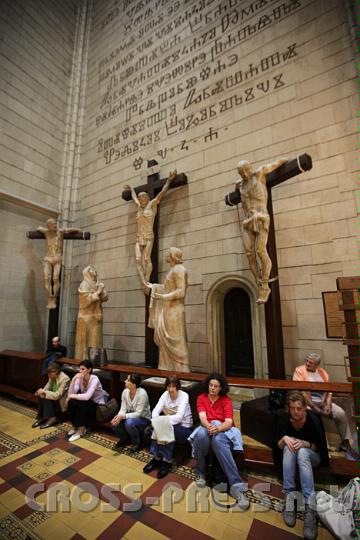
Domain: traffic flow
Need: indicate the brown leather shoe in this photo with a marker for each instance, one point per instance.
(50, 422)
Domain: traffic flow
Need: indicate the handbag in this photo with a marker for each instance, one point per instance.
(277, 399)
(107, 411)
(97, 356)
(341, 514)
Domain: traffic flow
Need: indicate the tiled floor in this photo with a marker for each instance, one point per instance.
(52, 489)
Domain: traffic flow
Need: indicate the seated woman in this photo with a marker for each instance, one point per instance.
(134, 414)
(217, 431)
(174, 404)
(299, 442)
(52, 398)
(85, 394)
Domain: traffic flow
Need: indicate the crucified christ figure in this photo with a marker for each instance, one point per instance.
(254, 196)
(145, 217)
(54, 242)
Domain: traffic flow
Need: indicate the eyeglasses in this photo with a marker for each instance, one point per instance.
(214, 385)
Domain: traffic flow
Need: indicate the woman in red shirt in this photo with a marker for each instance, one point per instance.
(217, 430)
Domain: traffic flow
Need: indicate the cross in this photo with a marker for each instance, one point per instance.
(153, 186)
(348, 288)
(53, 324)
(274, 336)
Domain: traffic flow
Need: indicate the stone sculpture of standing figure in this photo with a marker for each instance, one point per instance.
(54, 244)
(92, 294)
(254, 196)
(145, 217)
(167, 315)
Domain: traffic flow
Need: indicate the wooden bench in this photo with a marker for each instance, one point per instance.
(18, 393)
(339, 469)
(13, 365)
(20, 374)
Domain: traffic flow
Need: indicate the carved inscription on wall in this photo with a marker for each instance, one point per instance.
(179, 65)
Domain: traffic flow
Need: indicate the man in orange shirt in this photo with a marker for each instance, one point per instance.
(321, 402)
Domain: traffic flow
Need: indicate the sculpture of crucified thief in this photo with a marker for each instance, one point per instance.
(145, 217)
(254, 196)
(54, 241)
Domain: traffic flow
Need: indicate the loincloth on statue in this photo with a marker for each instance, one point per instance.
(258, 221)
(53, 259)
(144, 239)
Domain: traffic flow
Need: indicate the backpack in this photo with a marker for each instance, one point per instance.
(277, 399)
(341, 514)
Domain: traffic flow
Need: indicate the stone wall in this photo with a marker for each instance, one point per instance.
(36, 47)
(198, 85)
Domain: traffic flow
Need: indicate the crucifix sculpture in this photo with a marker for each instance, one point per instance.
(54, 240)
(147, 197)
(254, 191)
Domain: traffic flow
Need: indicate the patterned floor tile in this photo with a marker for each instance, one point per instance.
(93, 478)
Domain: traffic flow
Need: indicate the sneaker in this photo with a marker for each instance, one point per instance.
(344, 446)
(71, 432)
(310, 525)
(289, 511)
(243, 502)
(352, 455)
(200, 481)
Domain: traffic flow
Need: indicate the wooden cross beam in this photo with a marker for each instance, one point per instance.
(274, 335)
(153, 186)
(78, 235)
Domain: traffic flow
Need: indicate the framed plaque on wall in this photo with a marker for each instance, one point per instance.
(334, 317)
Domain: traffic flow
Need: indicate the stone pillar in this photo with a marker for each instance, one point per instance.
(71, 161)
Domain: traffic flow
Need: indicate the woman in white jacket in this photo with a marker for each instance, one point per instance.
(174, 404)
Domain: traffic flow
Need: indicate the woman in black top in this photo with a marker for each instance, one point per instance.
(300, 442)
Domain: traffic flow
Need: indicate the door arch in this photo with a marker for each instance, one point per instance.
(216, 324)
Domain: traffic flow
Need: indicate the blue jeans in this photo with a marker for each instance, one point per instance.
(222, 448)
(165, 451)
(135, 428)
(306, 459)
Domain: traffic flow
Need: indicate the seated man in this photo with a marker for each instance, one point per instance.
(299, 444)
(52, 398)
(217, 431)
(321, 402)
(56, 347)
(53, 352)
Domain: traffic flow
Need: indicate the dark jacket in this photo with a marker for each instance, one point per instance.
(281, 428)
(56, 351)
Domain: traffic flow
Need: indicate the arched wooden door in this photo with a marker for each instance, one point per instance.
(239, 356)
